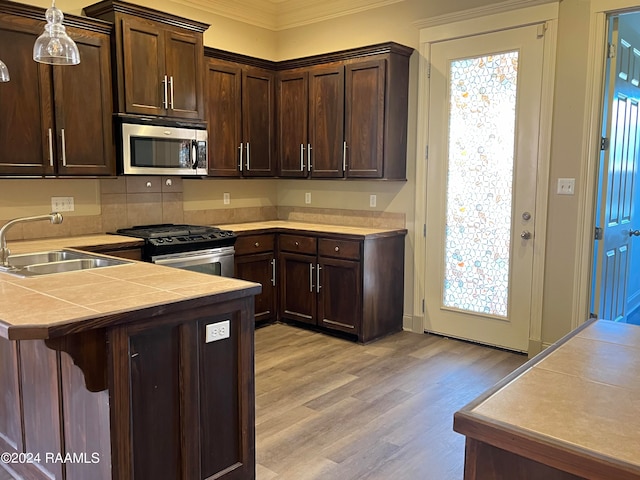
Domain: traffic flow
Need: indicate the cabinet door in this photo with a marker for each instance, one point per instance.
(26, 102)
(184, 67)
(258, 119)
(260, 268)
(297, 287)
(364, 119)
(223, 99)
(83, 109)
(145, 85)
(326, 121)
(339, 295)
(293, 114)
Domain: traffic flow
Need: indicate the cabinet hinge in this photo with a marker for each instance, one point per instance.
(424, 230)
(611, 50)
(426, 152)
(423, 305)
(428, 69)
(604, 143)
(599, 234)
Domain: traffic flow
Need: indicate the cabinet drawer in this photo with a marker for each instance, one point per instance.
(298, 243)
(254, 244)
(328, 247)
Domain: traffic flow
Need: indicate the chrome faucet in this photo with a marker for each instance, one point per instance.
(54, 218)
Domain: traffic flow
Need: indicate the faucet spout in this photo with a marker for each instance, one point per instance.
(54, 218)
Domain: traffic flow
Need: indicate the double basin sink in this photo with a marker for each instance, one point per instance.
(56, 261)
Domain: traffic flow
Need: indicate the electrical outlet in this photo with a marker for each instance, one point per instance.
(307, 198)
(217, 331)
(373, 200)
(62, 204)
(226, 198)
(566, 186)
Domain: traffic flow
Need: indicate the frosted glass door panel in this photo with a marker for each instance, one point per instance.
(482, 118)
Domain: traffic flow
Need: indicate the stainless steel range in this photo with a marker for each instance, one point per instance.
(190, 247)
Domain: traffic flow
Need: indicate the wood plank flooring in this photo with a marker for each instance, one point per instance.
(329, 409)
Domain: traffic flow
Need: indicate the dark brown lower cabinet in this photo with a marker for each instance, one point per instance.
(145, 398)
(351, 284)
(255, 261)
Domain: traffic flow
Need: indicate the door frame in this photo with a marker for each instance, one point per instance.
(590, 150)
(471, 23)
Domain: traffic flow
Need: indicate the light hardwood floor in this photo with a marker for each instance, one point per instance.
(329, 409)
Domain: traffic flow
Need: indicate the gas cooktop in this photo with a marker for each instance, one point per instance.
(171, 238)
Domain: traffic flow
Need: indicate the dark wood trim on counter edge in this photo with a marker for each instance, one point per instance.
(29, 11)
(44, 332)
(318, 233)
(107, 7)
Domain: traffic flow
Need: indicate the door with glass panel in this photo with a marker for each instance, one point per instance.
(484, 110)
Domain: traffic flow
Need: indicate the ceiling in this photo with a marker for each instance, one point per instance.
(283, 14)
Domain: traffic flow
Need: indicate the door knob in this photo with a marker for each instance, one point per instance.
(634, 233)
(526, 216)
(525, 235)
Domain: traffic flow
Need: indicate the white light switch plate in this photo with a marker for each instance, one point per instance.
(373, 200)
(217, 331)
(307, 198)
(226, 198)
(566, 186)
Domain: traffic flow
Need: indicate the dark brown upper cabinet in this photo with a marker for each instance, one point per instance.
(344, 115)
(159, 60)
(61, 116)
(240, 111)
(311, 122)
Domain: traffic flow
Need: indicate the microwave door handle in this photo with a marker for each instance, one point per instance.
(194, 152)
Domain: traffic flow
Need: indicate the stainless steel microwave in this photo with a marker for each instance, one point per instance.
(163, 150)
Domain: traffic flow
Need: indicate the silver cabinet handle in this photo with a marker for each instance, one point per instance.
(302, 157)
(165, 102)
(240, 148)
(248, 156)
(344, 156)
(309, 157)
(311, 267)
(64, 149)
(318, 286)
(171, 89)
(273, 272)
(50, 148)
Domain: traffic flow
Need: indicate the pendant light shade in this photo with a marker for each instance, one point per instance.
(54, 46)
(4, 72)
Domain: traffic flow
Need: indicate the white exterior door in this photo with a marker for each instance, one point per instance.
(616, 292)
(484, 115)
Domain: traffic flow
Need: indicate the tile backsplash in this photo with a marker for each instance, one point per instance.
(137, 200)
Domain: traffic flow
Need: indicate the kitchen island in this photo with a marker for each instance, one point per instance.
(570, 413)
(107, 373)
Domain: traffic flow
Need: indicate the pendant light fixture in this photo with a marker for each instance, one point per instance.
(54, 46)
(4, 72)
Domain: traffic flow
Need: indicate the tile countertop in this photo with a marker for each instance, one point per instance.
(582, 396)
(51, 305)
(312, 228)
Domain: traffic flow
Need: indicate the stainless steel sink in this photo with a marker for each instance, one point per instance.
(56, 261)
(23, 260)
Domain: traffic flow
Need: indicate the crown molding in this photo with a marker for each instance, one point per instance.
(283, 14)
(473, 13)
